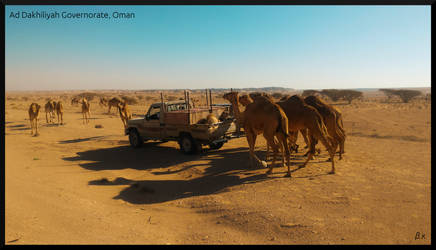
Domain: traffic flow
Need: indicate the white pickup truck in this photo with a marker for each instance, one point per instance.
(177, 121)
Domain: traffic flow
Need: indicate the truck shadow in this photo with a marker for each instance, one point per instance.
(221, 169)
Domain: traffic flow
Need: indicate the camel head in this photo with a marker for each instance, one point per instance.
(245, 100)
(231, 96)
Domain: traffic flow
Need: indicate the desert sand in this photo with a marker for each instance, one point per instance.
(78, 184)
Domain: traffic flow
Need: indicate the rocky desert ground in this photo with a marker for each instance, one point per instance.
(81, 184)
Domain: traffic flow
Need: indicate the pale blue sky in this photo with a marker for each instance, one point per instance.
(165, 47)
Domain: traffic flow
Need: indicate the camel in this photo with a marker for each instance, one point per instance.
(33, 117)
(330, 120)
(103, 101)
(210, 119)
(292, 139)
(49, 108)
(85, 110)
(263, 117)
(60, 111)
(75, 100)
(125, 114)
(114, 102)
(301, 116)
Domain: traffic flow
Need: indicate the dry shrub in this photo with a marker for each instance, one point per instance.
(350, 95)
(130, 100)
(171, 98)
(309, 92)
(88, 95)
(404, 94)
(277, 95)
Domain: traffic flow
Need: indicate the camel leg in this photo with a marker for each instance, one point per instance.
(331, 149)
(251, 139)
(305, 137)
(275, 149)
(31, 126)
(62, 118)
(283, 143)
(36, 126)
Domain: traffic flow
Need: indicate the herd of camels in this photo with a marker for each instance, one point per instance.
(279, 123)
(52, 107)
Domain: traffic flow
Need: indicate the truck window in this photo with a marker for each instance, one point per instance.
(154, 113)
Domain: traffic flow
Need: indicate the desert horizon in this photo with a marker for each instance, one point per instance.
(82, 183)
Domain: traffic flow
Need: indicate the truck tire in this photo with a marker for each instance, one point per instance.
(216, 145)
(135, 139)
(187, 144)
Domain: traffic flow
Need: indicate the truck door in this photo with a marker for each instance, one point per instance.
(152, 123)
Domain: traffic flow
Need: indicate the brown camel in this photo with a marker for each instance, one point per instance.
(34, 109)
(49, 109)
(60, 111)
(292, 139)
(263, 117)
(301, 116)
(124, 111)
(114, 102)
(86, 112)
(75, 100)
(329, 117)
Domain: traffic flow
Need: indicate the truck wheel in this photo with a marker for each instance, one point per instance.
(188, 144)
(216, 145)
(135, 139)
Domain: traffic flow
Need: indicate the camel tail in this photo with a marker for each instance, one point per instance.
(323, 128)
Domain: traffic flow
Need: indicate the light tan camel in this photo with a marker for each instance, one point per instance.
(301, 116)
(329, 117)
(210, 119)
(113, 102)
(86, 112)
(103, 101)
(49, 109)
(125, 113)
(60, 111)
(263, 117)
(34, 109)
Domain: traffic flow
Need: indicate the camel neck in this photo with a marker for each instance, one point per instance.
(236, 110)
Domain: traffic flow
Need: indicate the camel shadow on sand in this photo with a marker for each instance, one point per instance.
(224, 168)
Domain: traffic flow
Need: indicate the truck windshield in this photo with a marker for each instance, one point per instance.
(154, 113)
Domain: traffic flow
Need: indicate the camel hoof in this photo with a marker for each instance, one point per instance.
(287, 175)
(269, 172)
(331, 172)
(329, 160)
(301, 166)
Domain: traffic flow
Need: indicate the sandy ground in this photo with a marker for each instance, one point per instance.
(77, 184)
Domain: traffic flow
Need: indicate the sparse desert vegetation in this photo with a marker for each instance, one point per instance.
(379, 194)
